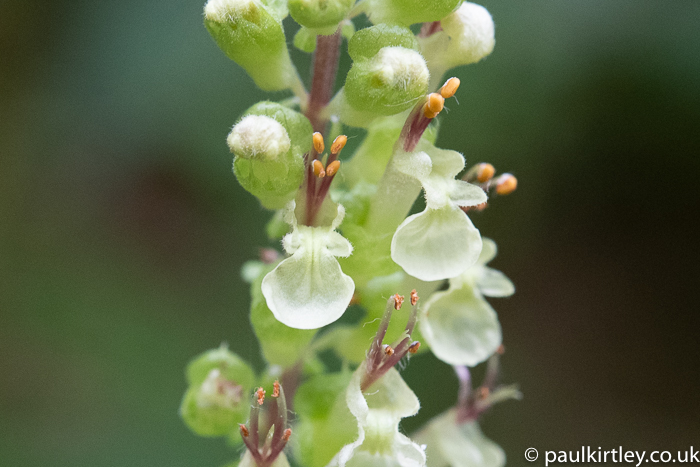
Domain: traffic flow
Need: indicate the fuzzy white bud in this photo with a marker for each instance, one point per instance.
(258, 137)
(471, 31)
(221, 10)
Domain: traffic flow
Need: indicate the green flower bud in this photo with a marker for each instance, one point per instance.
(388, 83)
(406, 12)
(217, 399)
(250, 33)
(269, 144)
(320, 14)
(367, 42)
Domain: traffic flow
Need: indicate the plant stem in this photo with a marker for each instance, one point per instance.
(325, 67)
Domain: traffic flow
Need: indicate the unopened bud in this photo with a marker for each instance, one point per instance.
(366, 42)
(258, 137)
(388, 83)
(250, 34)
(506, 184)
(322, 15)
(407, 12)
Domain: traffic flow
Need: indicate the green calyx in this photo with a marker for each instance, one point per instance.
(251, 34)
(366, 42)
(407, 12)
(269, 151)
(217, 397)
(316, 14)
(388, 83)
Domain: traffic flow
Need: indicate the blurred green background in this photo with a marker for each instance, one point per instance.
(123, 230)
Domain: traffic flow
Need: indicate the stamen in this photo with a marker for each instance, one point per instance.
(414, 297)
(506, 184)
(244, 430)
(261, 396)
(501, 349)
(484, 392)
(398, 301)
(332, 168)
(413, 348)
(449, 88)
(338, 144)
(276, 389)
(388, 350)
(319, 146)
(318, 169)
(287, 434)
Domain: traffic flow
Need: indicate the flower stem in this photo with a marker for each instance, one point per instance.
(325, 67)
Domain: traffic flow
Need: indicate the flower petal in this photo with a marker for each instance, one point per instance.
(493, 283)
(453, 445)
(466, 194)
(460, 326)
(308, 290)
(436, 244)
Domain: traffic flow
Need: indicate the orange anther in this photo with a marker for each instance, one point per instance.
(414, 297)
(244, 430)
(484, 392)
(276, 389)
(389, 350)
(261, 396)
(332, 168)
(435, 102)
(449, 88)
(485, 172)
(501, 349)
(318, 142)
(318, 169)
(287, 434)
(506, 184)
(398, 301)
(429, 114)
(338, 144)
(413, 348)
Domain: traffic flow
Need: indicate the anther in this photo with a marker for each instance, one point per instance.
(398, 301)
(244, 430)
(414, 297)
(484, 392)
(389, 350)
(501, 349)
(318, 169)
(318, 142)
(338, 144)
(332, 168)
(276, 389)
(449, 88)
(435, 102)
(287, 434)
(261, 396)
(485, 172)
(413, 348)
(506, 184)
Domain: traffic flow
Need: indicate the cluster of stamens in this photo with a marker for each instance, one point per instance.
(265, 442)
(482, 174)
(382, 357)
(424, 112)
(474, 402)
(319, 175)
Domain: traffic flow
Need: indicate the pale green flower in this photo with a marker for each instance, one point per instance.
(453, 444)
(378, 413)
(458, 324)
(440, 242)
(309, 290)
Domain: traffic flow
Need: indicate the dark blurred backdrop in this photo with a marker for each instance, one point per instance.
(123, 230)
